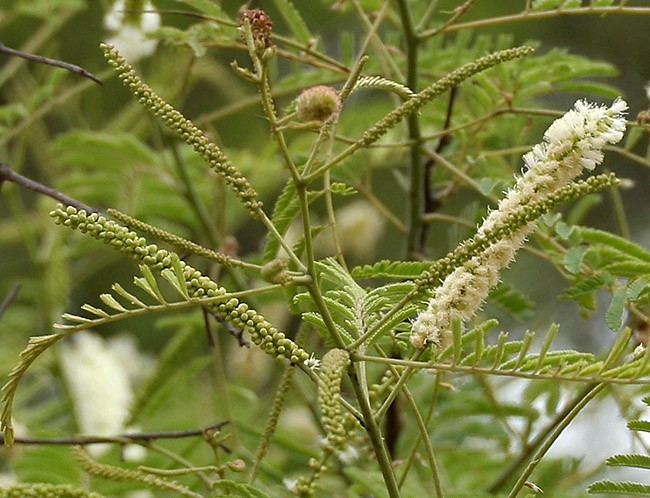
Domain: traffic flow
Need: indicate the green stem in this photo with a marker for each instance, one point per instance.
(408, 462)
(532, 15)
(619, 211)
(424, 437)
(564, 416)
(591, 394)
(416, 192)
(374, 434)
(474, 370)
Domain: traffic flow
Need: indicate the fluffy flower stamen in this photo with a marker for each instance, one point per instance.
(571, 144)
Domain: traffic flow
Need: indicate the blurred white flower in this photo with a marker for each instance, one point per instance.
(7, 478)
(571, 144)
(99, 383)
(131, 31)
(141, 493)
(349, 455)
(290, 484)
(647, 90)
(359, 227)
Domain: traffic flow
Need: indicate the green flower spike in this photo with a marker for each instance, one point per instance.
(333, 366)
(262, 333)
(174, 120)
(46, 490)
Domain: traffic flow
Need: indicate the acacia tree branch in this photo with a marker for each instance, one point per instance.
(73, 68)
(8, 174)
(122, 438)
(9, 298)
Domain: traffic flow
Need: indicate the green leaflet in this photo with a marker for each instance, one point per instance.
(354, 309)
(294, 20)
(633, 460)
(284, 212)
(206, 6)
(620, 488)
(239, 490)
(474, 352)
(391, 269)
(626, 247)
(615, 313)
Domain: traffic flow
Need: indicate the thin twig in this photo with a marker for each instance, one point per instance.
(121, 438)
(6, 173)
(73, 68)
(431, 201)
(528, 15)
(416, 175)
(9, 299)
(230, 328)
(457, 13)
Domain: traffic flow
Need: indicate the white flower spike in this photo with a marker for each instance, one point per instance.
(571, 144)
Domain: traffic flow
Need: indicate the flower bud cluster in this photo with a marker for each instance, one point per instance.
(262, 333)
(333, 366)
(192, 135)
(449, 81)
(317, 103)
(46, 490)
(572, 143)
(261, 27)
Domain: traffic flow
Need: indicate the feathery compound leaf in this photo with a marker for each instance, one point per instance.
(239, 489)
(620, 488)
(111, 302)
(206, 6)
(381, 83)
(36, 346)
(627, 460)
(631, 249)
(149, 284)
(630, 460)
(96, 311)
(512, 301)
(639, 425)
(284, 212)
(614, 317)
(295, 21)
(586, 286)
(392, 269)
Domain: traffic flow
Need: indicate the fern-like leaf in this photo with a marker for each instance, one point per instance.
(205, 6)
(381, 83)
(294, 20)
(284, 212)
(630, 460)
(472, 352)
(241, 490)
(392, 269)
(620, 488)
